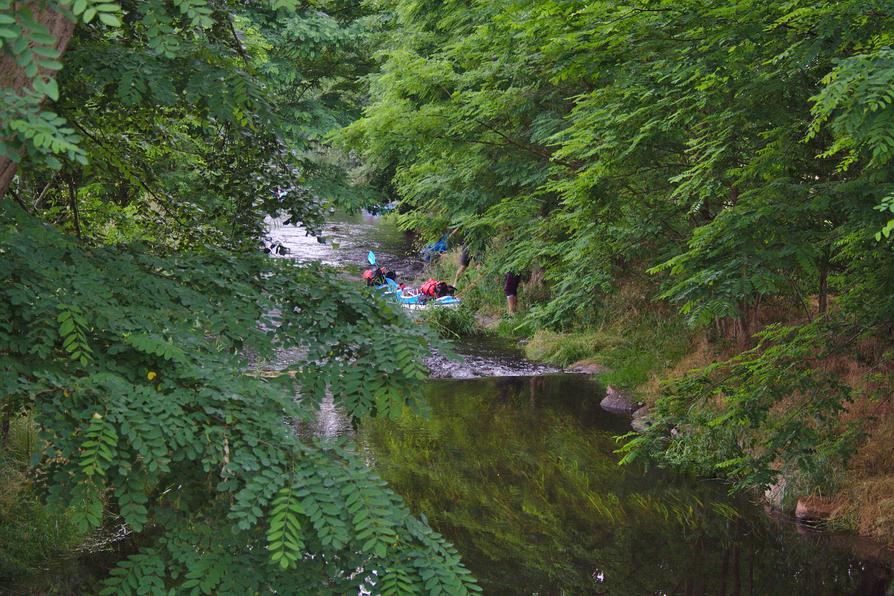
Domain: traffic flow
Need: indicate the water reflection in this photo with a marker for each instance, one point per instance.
(520, 474)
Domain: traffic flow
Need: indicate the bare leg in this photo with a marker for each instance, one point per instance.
(512, 303)
(459, 272)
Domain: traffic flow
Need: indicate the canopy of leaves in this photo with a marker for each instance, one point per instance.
(136, 371)
(600, 139)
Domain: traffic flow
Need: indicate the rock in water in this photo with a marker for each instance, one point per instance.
(618, 403)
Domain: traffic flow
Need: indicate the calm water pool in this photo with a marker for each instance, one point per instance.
(520, 474)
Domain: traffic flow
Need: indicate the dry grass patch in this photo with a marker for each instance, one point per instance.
(703, 354)
(869, 508)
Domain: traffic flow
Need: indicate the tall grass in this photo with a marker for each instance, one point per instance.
(451, 323)
(564, 349)
(632, 353)
(628, 334)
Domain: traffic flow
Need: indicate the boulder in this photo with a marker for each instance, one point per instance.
(810, 509)
(617, 402)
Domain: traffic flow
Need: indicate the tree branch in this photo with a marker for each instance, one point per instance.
(39, 200)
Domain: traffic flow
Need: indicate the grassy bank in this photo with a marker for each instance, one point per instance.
(631, 339)
(866, 503)
(631, 354)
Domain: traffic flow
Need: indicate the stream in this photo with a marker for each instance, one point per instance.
(516, 466)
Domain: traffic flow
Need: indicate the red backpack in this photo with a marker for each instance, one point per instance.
(428, 288)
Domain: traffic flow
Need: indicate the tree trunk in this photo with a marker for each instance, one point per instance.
(13, 77)
(737, 578)
(825, 267)
(723, 567)
(756, 315)
(743, 323)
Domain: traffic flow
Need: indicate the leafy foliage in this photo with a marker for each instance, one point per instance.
(726, 419)
(136, 341)
(32, 536)
(211, 110)
(452, 323)
(682, 148)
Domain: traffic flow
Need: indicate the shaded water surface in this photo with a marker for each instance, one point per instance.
(516, 465)
(520, 474)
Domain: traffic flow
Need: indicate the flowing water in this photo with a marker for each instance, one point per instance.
(345, 241)
(516, 465)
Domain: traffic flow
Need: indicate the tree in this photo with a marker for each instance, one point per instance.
(138, 344)
(33, 38)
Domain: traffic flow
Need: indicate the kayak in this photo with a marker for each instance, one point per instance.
(414, 299)
(409, 298)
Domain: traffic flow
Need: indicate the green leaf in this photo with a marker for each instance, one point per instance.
(51, 89)
(109, 19)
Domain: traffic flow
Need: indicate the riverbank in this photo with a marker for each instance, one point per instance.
(645, 349)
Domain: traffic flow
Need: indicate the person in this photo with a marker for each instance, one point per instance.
(376, 276)
(510, 288)
(435, 248)
(464, 259)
